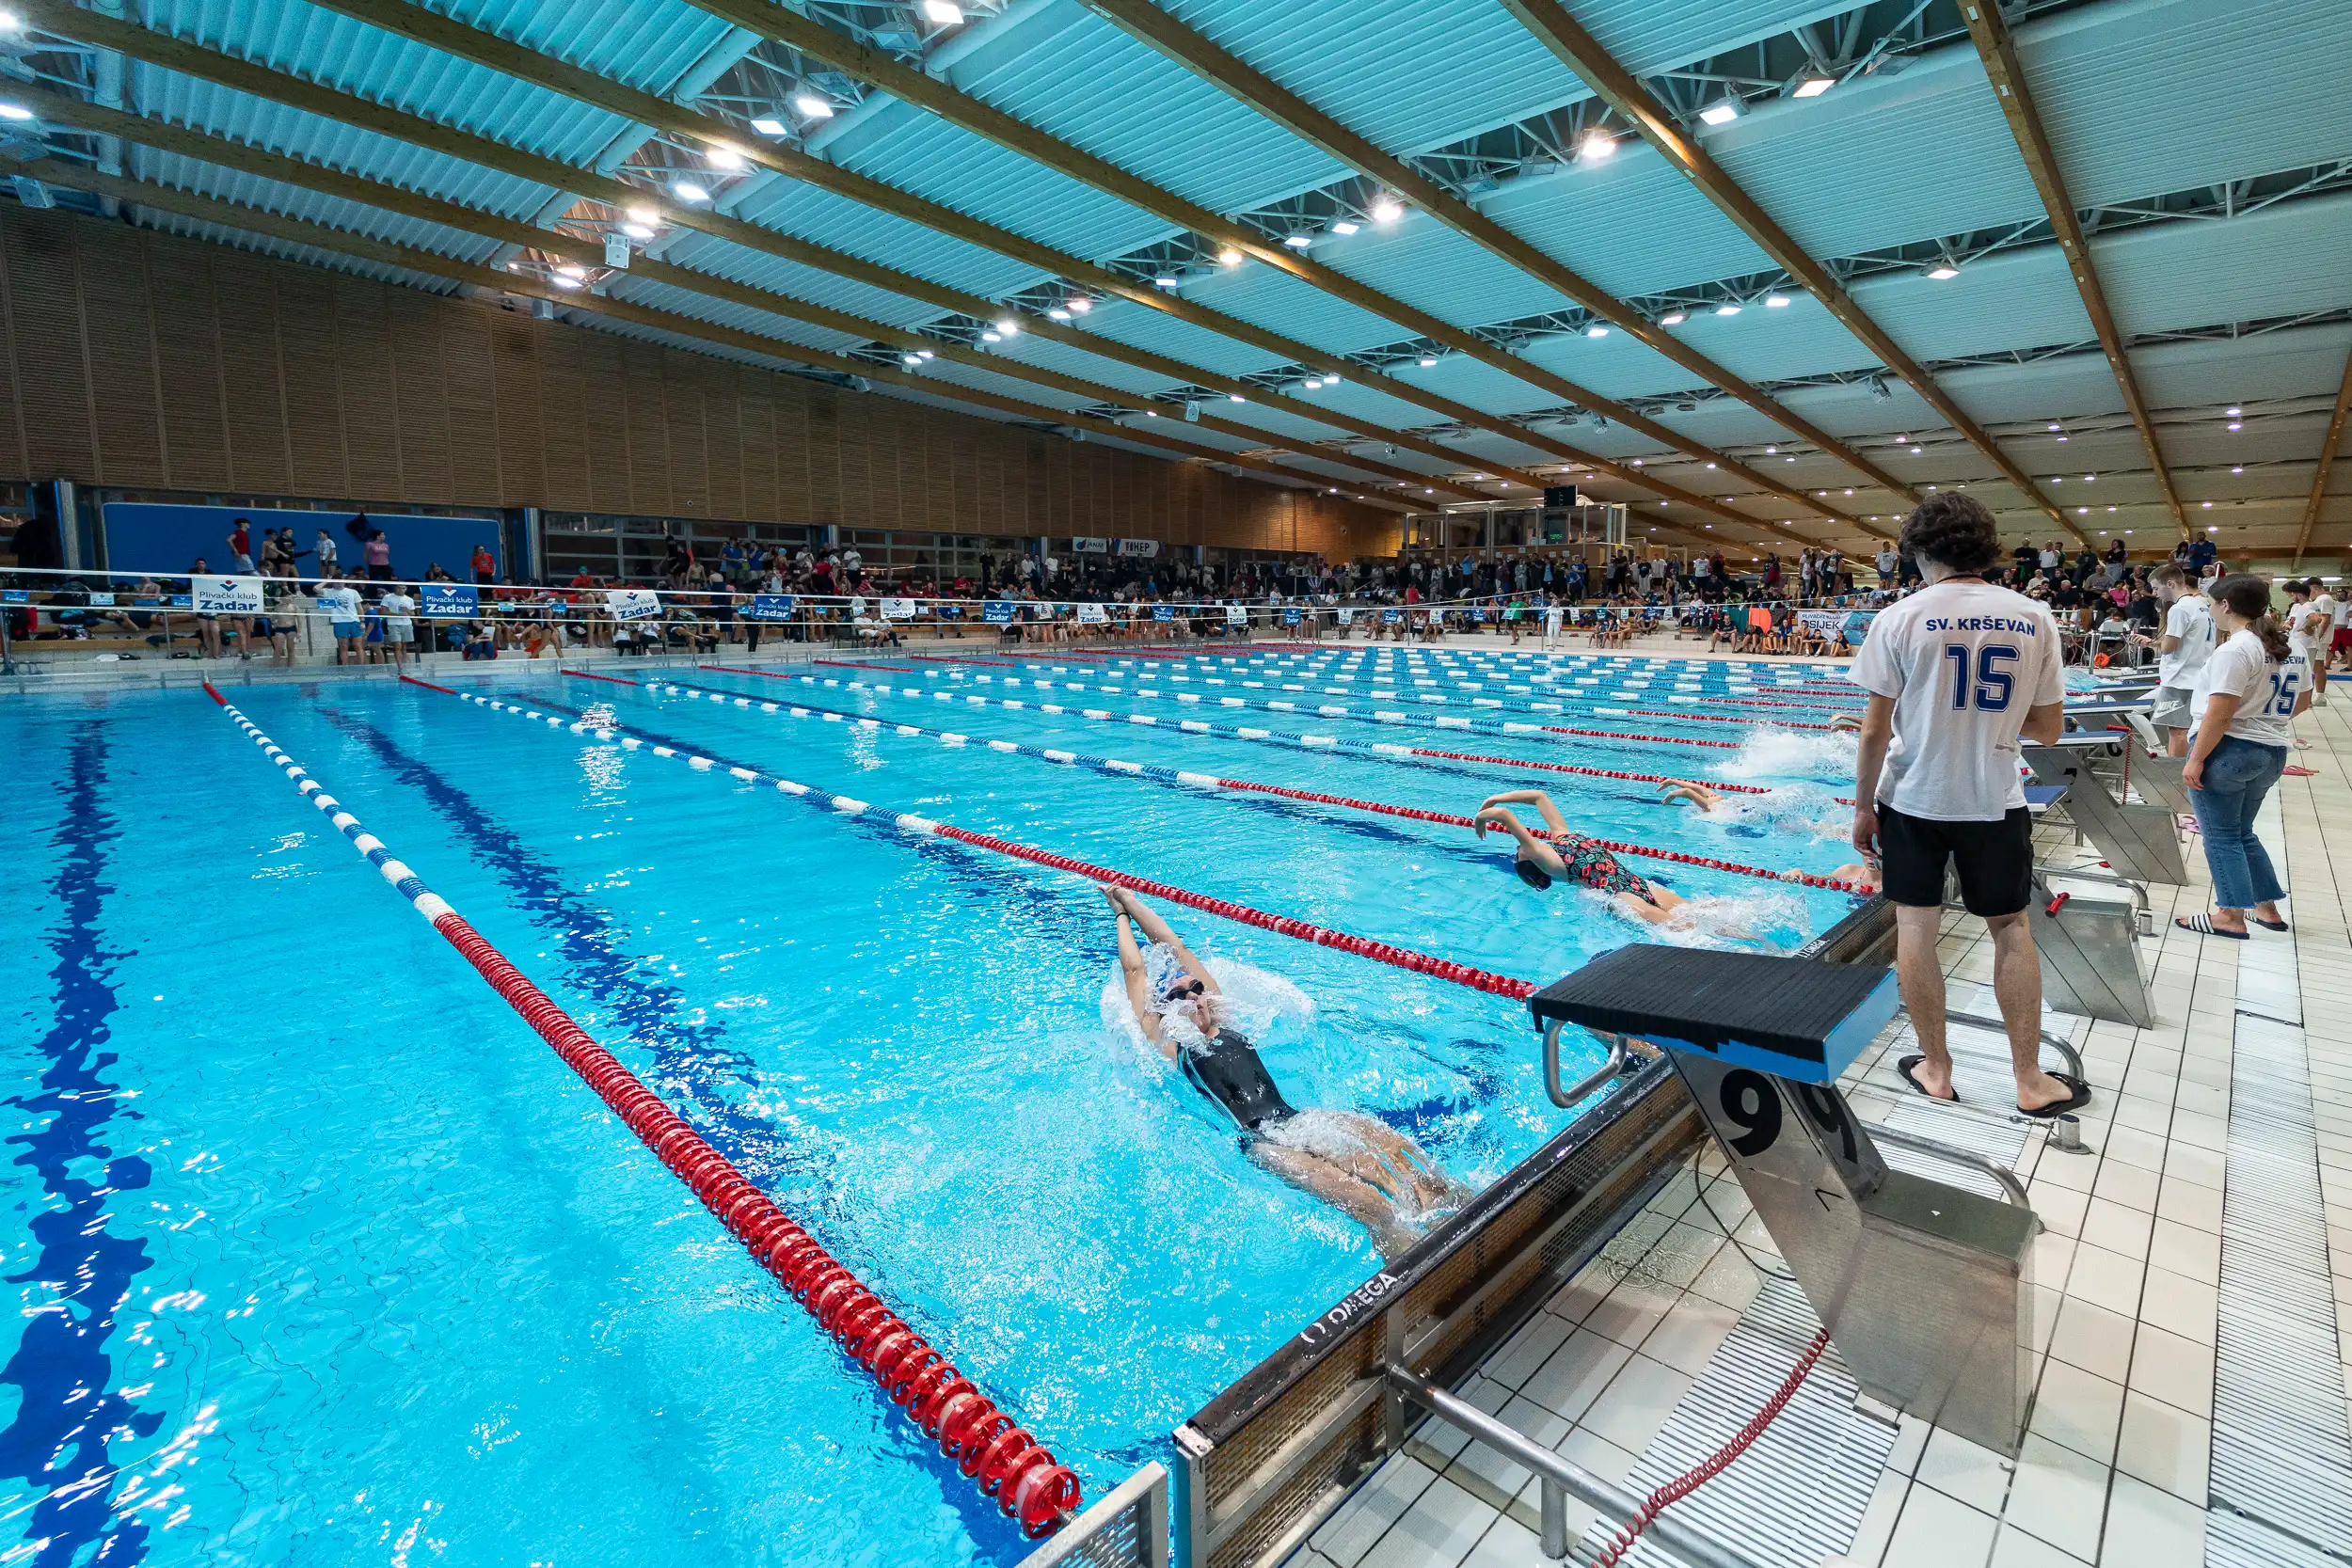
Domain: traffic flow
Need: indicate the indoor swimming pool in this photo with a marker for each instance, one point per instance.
(320, 1257)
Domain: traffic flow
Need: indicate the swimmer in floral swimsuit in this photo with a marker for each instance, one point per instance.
(1558, 852)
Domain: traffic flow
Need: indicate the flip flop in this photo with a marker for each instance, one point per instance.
(1908, 1068)
(2267, 925)
(2077, 1096)
(2296, 773)
(2202, 925)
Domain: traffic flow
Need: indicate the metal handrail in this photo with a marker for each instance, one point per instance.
(2012, 1187)
(1618, 1056)
(1562, 1478)
(2059, 1044)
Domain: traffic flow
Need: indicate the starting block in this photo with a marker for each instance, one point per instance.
(1925, 1287)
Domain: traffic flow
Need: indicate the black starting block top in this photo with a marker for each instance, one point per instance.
(1795, 1018)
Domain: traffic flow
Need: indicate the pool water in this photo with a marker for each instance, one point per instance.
(321, 1256)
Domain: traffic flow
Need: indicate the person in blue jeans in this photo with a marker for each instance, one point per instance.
(2246, 699)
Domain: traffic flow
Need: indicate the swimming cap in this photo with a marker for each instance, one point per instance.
(1533, 875)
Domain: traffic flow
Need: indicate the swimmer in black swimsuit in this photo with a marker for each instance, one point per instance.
(1377, 1185)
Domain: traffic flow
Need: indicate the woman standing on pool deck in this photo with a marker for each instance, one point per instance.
(1379, 1184)
(2252, 687)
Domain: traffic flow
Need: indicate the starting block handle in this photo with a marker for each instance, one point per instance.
(1602, 1074)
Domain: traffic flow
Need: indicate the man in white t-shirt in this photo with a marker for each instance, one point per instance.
(1957, 672)
(1889, 561)
(2315, 618)
(400, 632)
(2181, 653)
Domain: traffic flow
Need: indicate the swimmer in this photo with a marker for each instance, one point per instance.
(1864, 875)
(1706, 800)
(1846, 722)
(1377, 1185)
(1573, 856)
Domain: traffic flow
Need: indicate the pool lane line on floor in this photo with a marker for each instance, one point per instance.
(1003, 1459)
(1118, 767)
(907, 822)
(1386, 752)
(69, 1411)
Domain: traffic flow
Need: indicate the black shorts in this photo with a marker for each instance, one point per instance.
(1995, 861)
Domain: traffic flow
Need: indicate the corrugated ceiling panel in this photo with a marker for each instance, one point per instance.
(792, 207)
(1425, 263)
(1763, 344)
(2285, 261)
(920, 152)
(1144, 327)
(1364, 398)
(662, 296)
(163, 168)
(725, 259)
(2019, 299)
(2261, 87)
(1633, 226)
(1024, 391)
(1267, 297)
(1066, 360)
(201, 106)
(2297, 363)
(1077, 77)
(650, 44)
(356, 59)
(172, 223)
(1413, 75)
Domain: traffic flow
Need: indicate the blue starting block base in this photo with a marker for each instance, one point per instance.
(1799, 1019)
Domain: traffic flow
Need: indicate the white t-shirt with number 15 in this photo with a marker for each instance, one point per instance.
(1964, 662)
(2266, 692)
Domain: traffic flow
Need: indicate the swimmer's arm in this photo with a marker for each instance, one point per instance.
(1535, 798)
(1139, 987)
(1157, 930)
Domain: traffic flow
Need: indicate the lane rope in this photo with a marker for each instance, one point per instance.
(1118, 767)
(920, 827)
(987, 1445)
(1384, 750)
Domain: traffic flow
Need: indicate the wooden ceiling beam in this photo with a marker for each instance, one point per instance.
(1998, 50)
(2329, 447)
(1553, 26)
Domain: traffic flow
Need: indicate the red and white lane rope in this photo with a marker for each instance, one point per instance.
(1119, 768)
(986, 1444)
(1197, 727)
(914, 825)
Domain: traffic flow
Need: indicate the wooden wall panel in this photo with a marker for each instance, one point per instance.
(141, 360)
(122, 345)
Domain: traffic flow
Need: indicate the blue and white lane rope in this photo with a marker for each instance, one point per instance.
(1381, 751)
(1322, 936)
(1446, 722)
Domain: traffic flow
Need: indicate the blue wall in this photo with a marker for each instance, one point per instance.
(142, 536)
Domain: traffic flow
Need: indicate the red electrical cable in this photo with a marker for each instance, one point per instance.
(1716, 1463)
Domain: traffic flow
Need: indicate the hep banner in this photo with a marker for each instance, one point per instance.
(450, 601)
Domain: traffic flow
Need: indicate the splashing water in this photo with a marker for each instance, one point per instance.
(1776, 754)
(1746, 922)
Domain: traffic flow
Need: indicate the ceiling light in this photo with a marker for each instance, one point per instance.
(1787, 460)
(2239, 470)
(2062, 437)
(1778, 302)
(1298, 241)
(992, 336)
(1596, 146)
(1236, 396)
(637, 232)
(1916, 450)
(945, 12)
(1007, 327)
(563, 282)
(1310, 385)
(1332, 378)
(1637, 462)
(1813, 86)
(769, 127)
(642, 214)
(11, 23)
(574, 272)
(1426, 361)
(2055, 425)
(2208, 505)
(2233, 412)
(910, 361)
(1726, 309)
(1943, 272)
(2089, 479)
(1344, 227)
(15, 111)
(2234, 426)
(724, 158)
(924, 353)
(1386, 210)
(2081, 509)
(1151, 413)
(1721, 113)
(1080, 303)
(1850, 492)
(1672, 318)
(811, 106)
(1165, 280)
(1596, 331)
(686, 190)
(1057, 314)
(1229, 257)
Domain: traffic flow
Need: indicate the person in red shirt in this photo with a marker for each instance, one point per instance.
(486, 566)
